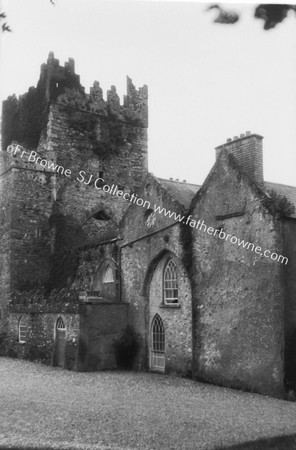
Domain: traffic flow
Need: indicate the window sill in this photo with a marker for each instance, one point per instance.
(172, 306)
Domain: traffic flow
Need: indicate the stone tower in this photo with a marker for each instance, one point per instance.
(52, 205)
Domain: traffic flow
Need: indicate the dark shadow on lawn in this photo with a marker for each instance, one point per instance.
(274, 443)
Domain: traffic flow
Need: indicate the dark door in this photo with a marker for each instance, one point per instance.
(60, 346)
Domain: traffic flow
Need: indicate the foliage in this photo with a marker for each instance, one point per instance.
(4, 25)
(11, 353)
(111, 131)
(36, 353)
(24, 118)
(187, 258)
(224, 16)
(278, 204)
(126, 347)
(64, 262)
(2, 344)
(271, 14)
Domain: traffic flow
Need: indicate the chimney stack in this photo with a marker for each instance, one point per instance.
(248, 152)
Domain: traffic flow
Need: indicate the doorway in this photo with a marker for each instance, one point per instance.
(60, 345)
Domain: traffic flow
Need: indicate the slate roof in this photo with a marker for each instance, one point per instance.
(184, 192)
(282, 189)
(181, 191)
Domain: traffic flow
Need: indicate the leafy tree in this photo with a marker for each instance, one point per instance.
(4, 25)
(271, 14)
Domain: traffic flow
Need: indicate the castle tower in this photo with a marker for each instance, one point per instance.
(86, 137)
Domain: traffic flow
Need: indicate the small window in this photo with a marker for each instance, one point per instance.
(101, 215)
(60, 324)
(38, 233)
(22, 330)
(170, 283)
(149, 218)
(108, 277)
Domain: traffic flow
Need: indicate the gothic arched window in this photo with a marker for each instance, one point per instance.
(60, 324)
(158, 335)
(170, 283)
(157, 349)
(108, 275)
(22, 329)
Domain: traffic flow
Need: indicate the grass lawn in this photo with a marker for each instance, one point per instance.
(45, 407)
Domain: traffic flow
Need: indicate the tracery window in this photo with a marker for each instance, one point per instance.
(22, 330)
(60, 324)
(158, 336)
(170, 283)
(157, 351)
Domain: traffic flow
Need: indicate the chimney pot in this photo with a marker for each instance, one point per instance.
(177, 179)
(184, 181)
(228, 140)
(241, 135)
(248, 153)
(172, 179)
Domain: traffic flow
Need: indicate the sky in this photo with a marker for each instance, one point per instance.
(207, 82)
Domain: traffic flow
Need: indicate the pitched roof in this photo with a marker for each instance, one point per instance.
(282, 189)
(180, 190)
(184, 192)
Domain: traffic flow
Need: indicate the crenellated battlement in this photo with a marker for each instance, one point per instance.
(54, 78)
(62, 84)
(56, 141)
(25, 117)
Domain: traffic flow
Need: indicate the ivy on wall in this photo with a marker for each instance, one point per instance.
(23, 118)
(278, 205)
(64, 261)
(104, 132)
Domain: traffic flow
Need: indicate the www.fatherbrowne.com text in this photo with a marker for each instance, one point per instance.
(114, 190)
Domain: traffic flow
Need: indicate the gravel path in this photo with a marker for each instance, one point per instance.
(44, 406)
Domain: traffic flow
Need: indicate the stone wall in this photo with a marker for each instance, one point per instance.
(153, 194)
(5, 256)
(92, 142)
(238, 309)
(141, 270)
(41, 332)
(93, 262)
(289, 274)
(101, 324)
(177, 318)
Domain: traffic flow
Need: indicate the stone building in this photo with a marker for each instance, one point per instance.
(92, 242)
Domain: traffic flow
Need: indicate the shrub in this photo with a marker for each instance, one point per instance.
(126, 348)
(278, 204)
(2, 344)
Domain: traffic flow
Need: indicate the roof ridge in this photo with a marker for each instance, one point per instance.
(280, 184)
(180, 182)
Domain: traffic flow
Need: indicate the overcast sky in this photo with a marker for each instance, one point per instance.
(206, 81)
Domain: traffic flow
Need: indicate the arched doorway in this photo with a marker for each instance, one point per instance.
(157, 345)
(60, 344)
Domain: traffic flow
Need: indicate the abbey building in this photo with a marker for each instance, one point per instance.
(85, 252)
